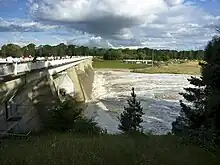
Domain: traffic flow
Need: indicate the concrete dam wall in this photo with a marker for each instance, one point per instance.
(24, 97)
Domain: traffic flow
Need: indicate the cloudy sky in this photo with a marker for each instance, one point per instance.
(172, 24)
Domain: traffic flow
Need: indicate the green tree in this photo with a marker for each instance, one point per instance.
(85, 51)
(39, 51)
(29, 50)
(4, 51)
(32, 49)
(107, 54)
(130, 119)
(70, 50)
(202, 110)
(11, 50)
(54, 51)
(78, 51)
(61, 49)
(46, 50)
(61, 117)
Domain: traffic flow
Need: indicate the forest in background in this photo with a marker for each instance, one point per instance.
(14, 50)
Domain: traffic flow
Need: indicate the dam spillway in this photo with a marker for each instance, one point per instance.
(158, 94)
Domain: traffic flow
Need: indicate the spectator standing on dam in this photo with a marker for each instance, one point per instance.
(9, 59)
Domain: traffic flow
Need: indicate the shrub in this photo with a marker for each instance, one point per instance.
(87, 126)
(66, 116)
(62, 116)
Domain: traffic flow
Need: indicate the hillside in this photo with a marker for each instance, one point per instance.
(66, 149)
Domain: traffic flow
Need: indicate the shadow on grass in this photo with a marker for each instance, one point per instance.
(58, 149)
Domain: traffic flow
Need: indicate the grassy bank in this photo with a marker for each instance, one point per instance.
(66, 149)
(115, 64)
(190, 67)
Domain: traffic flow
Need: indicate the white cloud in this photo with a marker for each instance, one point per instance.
(155, 23)
(23, 25)
(98, 42)
(174, 2)
(101, 17)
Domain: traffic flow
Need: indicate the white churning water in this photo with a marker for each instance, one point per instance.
(158, 93)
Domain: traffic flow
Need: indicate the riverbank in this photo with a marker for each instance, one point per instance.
(115, 64)
(190, 67)
(113, 69)
(66, 149)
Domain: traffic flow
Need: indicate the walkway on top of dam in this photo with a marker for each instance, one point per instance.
(10, 69)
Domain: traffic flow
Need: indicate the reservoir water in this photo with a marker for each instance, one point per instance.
(158, 94)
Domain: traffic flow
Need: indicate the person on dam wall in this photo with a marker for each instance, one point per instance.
(34, 59)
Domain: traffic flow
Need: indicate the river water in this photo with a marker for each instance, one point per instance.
(158, 94)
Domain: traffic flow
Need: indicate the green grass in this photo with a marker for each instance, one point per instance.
(115, 64)
(66, 149)
(191, 68)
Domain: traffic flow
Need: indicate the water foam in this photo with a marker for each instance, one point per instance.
(158, 94)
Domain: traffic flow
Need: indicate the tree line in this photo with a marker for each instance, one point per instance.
(61, 49)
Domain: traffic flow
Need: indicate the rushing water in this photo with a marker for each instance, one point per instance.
(158, 93)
